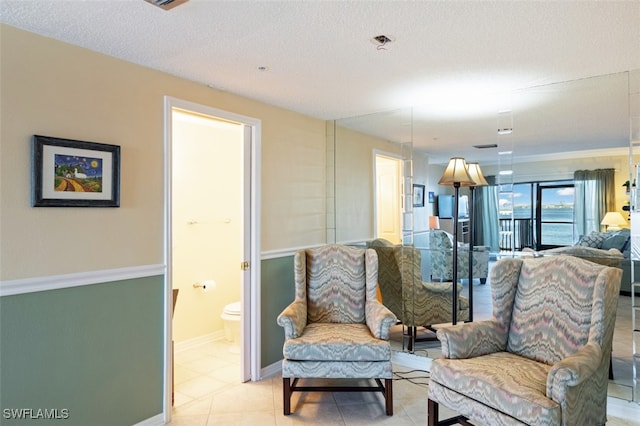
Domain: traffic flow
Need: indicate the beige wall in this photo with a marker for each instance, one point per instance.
(354, 183)
(55, 89)
(428, 175)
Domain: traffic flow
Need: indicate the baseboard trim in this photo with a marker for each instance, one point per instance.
(56, 282)
(198, 341)
(271, 370)
(411, 361)
(152, 421)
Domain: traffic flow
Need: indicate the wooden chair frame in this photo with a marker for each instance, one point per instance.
(289, 386)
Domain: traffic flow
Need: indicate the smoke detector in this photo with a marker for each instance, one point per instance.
(166, 4)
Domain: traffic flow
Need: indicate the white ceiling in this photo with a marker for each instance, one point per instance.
(456, 63)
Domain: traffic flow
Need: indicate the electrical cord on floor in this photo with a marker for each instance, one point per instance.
(416, 380)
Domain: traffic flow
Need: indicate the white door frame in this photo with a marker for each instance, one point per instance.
(250, 287)
(376, 153)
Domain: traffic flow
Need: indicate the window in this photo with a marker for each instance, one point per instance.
(539, 215)
(555, 215)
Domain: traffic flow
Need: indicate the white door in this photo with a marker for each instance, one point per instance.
(388, 198)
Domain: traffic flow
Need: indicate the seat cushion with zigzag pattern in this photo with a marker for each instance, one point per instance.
(337, 342)
(503, 381)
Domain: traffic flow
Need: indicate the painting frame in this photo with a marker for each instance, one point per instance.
(418, 195)
(74, 173)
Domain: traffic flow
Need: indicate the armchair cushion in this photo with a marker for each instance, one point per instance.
(510, 383)
(337, 342)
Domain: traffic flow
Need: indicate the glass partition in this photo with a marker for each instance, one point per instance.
(363, 183)
(633, 184)
(418, 145)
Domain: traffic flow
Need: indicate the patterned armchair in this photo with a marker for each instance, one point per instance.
(544, 356)
(336, 328)
(414, 302)
(441, 248)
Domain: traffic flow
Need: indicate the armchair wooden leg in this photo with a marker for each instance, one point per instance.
(412, 337)
(388, 396)
(286, 395)
(611, 367)
(432, 413)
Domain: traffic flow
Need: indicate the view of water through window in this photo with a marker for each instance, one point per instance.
(555, 216)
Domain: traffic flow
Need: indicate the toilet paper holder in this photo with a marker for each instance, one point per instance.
(205, 285)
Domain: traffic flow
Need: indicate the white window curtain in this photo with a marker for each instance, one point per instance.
(594, 197)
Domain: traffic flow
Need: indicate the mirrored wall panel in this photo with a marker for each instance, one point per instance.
(383, 171)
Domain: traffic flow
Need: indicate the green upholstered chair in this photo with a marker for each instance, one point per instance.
(414, 302)
(543, 358)
(441, 249)
(336, 328)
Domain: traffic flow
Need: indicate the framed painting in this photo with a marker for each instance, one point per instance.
(418, 195)
(71, 173)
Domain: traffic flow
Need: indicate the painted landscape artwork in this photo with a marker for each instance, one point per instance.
(78, 174)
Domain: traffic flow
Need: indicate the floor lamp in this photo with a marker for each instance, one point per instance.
(456, 175)
(478, 178)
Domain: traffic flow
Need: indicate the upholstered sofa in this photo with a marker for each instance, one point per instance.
(612, 248)
(441, 250)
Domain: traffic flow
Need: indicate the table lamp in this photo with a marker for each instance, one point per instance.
(613, 220)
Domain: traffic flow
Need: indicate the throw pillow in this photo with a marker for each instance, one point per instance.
(593, 239)
(617, 240)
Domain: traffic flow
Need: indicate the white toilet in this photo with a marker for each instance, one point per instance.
(231, 315)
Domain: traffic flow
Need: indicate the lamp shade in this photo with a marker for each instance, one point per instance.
(613, 220)
(434, 222)
(476, 174)
(456, 173)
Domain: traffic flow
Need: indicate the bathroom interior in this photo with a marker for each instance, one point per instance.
(206, 253)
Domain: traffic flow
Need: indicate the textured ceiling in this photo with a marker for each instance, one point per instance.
(457, 62)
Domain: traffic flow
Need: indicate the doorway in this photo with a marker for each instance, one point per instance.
(211, 231)
(388, 174)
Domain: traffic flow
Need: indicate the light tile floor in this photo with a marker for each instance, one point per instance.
(209, 392)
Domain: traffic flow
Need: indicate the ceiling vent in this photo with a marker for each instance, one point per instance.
(166, 4)
(382, 40)
(490, 145)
